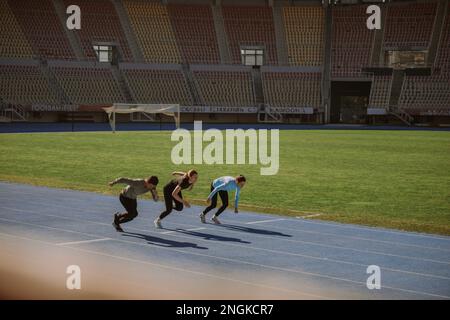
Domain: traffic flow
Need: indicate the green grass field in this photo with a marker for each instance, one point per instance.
(394, 179)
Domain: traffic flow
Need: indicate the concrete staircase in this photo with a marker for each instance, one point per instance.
(123, 85)
(53, 83)
(191, 84)
(129, 33)
(257, 85)
(13, 113)
(402, 115)
(438, 30)
(280, 36)
(74, 42)
(396, 89)
(222, 40)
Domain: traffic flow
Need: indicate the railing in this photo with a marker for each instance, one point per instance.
(268, 115)
(401, 114)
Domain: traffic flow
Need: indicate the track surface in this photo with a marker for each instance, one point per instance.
(256, 255)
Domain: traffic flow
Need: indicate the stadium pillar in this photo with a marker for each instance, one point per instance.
(326, 77)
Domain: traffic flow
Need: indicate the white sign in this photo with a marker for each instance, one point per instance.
(215, 109)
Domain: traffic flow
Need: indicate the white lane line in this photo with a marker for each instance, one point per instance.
(279, 228)
(82, 241)
(322, 223)
(288, 240)
(264, 221)
(313, 274)
(264, 249)
(309, 216)
(179, 229)
(162, 266)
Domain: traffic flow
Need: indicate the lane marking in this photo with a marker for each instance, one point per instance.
(162, 266)
(239, 261)
(82, 241)
(264, 221)
(322, 223)
(309, 216)
(280, 228)
(282, 239)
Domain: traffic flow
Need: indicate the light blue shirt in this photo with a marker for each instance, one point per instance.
(226, 184)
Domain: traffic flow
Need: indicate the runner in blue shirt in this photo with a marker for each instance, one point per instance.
(221, 186)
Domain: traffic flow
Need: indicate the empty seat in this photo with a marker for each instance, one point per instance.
(42, 27)
(100, 24)
(304, 29)
(13, 42)
(409, 24)
(195, 33)
(25, 84)
(225, 88)
(158, 86)
(292, 89)
(250, 26)
(151, 24)
(351, 43)
(88, 85)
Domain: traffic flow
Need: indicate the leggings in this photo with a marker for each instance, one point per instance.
(223, 196)
(170, 200)
(130, 206)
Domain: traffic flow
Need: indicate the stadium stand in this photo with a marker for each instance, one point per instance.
(23, 83)
(425, 94)
(194, 32)
(304, 29)
(250, 26)
(39, 22)
(225, 88)
(442, 61)
(430, 94)
(409, 24)
(380, 92)
(87, 83)
(351, 41)
(13, 42)
(151, 23)
(292, 89)
(100, 24)
(161, 85)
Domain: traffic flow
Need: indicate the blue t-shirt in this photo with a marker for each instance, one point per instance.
(226, 184)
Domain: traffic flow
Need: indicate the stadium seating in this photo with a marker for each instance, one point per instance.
(443, 55)
(100, 24)
(425, 93)
(304, 29)
(194, 32)
(351, 41)
(88, 85)
(430, 94)
(409, 24)
(13, 42)
(250, 26)
(41, 25)
(225, 88)
(380, 92)
(158, 86)
(24, 84)
(151, 23)
(292, 89)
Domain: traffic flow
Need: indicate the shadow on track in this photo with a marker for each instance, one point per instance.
(253, 230)
(208, 236)
(163, 242)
